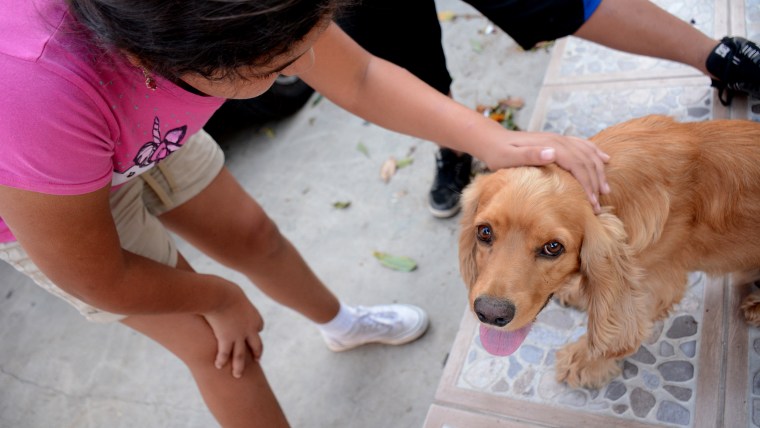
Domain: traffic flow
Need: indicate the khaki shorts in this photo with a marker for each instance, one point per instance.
(135, 207)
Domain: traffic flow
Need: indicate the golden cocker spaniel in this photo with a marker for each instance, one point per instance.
(684, 197)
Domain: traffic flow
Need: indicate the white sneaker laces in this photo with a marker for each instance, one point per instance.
(375, 321)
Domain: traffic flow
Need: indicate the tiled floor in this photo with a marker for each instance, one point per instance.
(701, 367)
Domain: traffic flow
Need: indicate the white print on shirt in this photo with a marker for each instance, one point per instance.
(152, 152)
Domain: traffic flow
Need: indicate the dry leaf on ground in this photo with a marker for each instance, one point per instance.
(446, 15)
(388, 169)
(503, 112)
(514, 102)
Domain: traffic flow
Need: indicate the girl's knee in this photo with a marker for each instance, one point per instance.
(263, 237)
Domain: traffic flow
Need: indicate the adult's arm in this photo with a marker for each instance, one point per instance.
(389, 96)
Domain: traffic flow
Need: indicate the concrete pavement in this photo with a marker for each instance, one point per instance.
(57, 370)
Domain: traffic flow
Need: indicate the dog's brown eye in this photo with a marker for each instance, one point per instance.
(484, 233)
(552, 249)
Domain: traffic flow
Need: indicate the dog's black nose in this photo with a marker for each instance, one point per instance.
(490, 310)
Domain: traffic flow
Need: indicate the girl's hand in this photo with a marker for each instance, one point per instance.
(236, 327)
(580, 157)
(390, 96)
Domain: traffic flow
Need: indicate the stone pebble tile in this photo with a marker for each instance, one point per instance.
(657, 384)
(752, 19)
(584, 112)
(753, 401)
(752, 22)
(583, 58)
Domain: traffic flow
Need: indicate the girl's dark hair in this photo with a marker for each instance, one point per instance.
(213, 38)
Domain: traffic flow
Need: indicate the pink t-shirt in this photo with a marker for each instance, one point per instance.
(74, 119)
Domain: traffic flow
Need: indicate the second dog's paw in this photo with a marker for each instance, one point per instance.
(751, 309)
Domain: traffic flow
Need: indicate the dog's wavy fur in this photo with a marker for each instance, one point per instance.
(684, 197)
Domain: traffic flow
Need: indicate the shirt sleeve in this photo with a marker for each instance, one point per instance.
(55, 139)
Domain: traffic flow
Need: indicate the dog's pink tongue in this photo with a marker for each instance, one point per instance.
(500, 342)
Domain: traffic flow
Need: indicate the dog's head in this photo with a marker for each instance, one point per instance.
(526, 234)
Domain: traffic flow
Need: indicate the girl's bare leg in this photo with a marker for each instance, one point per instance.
(227, 224)
(244, 402)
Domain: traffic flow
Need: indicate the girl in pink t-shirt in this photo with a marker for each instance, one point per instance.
(103, 104)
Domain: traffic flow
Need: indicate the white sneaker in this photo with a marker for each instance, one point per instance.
(388, 324)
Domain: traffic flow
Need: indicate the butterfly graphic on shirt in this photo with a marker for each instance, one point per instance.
(158, 149)
(151, 153)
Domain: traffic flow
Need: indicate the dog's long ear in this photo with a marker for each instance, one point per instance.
(467, 241)
(617, 315)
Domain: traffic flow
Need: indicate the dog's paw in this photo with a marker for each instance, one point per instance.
(751, 308)
(577, 369)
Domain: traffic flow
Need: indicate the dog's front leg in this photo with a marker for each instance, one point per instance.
(751, 308)
(577, 367)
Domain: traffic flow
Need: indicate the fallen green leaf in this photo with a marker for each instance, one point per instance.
(401, 163)
(362, 148)
(399, 263)
(341, 205)
(476, 45)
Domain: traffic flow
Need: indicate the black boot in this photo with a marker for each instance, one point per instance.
(451, 176)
